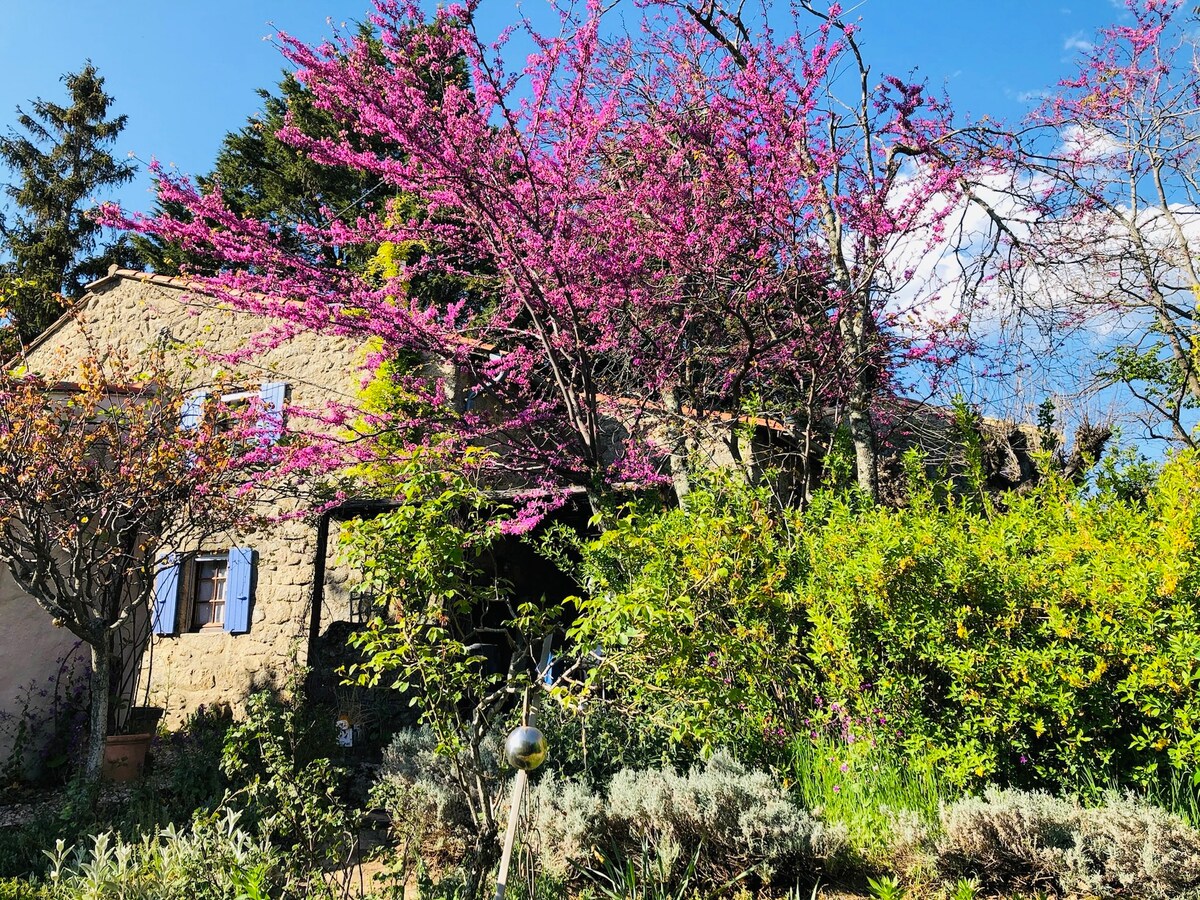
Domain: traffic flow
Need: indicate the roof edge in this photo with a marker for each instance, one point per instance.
(115, 273)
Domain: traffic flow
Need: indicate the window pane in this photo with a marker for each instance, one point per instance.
(208, 603)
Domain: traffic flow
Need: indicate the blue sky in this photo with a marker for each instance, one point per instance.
(186, 72)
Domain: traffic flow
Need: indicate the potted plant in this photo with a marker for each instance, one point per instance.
(125, 756)
(131, 728)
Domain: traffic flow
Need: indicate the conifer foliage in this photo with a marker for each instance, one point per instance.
(59, 157)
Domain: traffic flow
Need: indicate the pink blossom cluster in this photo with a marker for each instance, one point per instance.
(649, 228)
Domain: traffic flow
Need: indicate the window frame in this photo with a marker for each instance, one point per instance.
(189, 591)
(199, 408)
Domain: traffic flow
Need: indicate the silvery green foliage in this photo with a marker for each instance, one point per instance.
(1123, 846)
(739, 821)
(215, 858)
(420, 788)
(565, 823)
(1007, 837)
(743, 820)
(910, 844)
(1129, 846)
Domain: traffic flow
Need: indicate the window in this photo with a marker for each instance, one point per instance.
(204, 592)
(231, 409)
(270, 397)
(208, 592)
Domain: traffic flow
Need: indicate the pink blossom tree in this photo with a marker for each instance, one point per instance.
(681, 228)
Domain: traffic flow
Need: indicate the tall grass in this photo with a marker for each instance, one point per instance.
(863, 788)
(1178, 793)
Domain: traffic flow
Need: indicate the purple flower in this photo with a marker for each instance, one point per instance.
(837, 788)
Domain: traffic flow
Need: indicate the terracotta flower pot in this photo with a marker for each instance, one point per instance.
(125, 756)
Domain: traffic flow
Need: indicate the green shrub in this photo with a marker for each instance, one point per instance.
(1048, 639)
(14, 889)
(695, 612)
(420, 790)
(439, 605)
(1008, 838)
(566, 824)
(214, 859)
(70, 816)
(717, 822)
(21, 846)
(743, 820)
(724, 818)
(285, 786)
(1129, 846)
(595, 739)
(190, 761)
(1051, 642)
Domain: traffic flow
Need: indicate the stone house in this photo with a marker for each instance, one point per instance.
(241, 609)
(236, 611)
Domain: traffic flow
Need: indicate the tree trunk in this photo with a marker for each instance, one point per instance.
(484, 858)
(858, 330)
(677, 444)
(862, 433)
(100, 683)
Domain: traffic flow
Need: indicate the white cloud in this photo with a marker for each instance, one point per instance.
(1088, 144)
(1042, 327)
(1078, 42)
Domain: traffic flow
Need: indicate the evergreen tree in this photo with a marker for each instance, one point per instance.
(270, 179)
(60, 157)
(262, 177)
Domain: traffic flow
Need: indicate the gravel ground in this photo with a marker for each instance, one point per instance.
(13, 815)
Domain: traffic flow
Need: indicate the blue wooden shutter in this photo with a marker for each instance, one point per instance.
(191, 412)
(166, 595)
(238, 578)
(270, 424)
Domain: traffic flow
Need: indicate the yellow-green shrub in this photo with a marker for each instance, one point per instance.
(1053, 638)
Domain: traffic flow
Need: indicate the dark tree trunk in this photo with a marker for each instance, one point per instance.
(483, 860)
(100, 685)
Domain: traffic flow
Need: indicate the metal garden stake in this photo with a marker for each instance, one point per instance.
(525, 750)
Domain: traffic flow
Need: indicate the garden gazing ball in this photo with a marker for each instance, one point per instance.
(525, 748)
